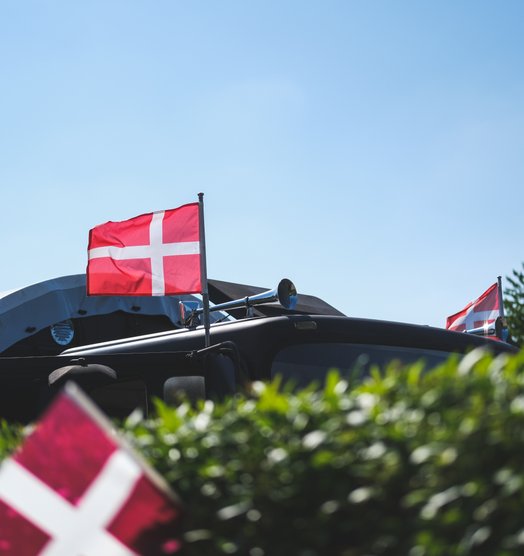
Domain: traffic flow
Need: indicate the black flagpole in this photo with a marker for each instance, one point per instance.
(501, 300)
(203, 269)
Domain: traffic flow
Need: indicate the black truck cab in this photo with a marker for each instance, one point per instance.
(255, 335)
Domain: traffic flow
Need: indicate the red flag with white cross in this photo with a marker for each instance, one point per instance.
(75, 489)
(482, 312)
(157, 253)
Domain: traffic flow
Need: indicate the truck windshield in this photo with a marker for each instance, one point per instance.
(303, 364)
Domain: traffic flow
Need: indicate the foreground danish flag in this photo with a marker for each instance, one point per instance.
(483, 311)
(74, 490)
(152, 254)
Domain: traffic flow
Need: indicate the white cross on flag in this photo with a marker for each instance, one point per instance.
(483, 311)
(152, 254)
(73, 489)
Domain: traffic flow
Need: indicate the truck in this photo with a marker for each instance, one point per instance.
(127, 352)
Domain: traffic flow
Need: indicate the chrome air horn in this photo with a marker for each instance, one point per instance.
(285, 293)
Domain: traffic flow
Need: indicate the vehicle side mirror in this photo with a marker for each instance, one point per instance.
(178, 388)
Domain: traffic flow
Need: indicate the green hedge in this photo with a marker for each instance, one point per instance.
(407, 463)
(10, 438)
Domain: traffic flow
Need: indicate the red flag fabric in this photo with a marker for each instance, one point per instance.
(152, 254)
(481, 312)
(73, 489)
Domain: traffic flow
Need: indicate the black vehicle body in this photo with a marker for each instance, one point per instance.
(300, 344)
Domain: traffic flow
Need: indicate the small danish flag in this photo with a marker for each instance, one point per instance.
(74, 489)
(481, 312)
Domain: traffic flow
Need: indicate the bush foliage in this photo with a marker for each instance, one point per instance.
(408, 462)
(514, 304)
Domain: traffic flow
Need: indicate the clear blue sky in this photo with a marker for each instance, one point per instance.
(371, 151)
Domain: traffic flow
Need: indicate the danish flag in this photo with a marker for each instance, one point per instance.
(74, 490)
(157, 253)
(482, 312)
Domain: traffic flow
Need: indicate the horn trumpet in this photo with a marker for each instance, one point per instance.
(285, 293)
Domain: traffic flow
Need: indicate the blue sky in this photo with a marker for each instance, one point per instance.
(371, 151)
